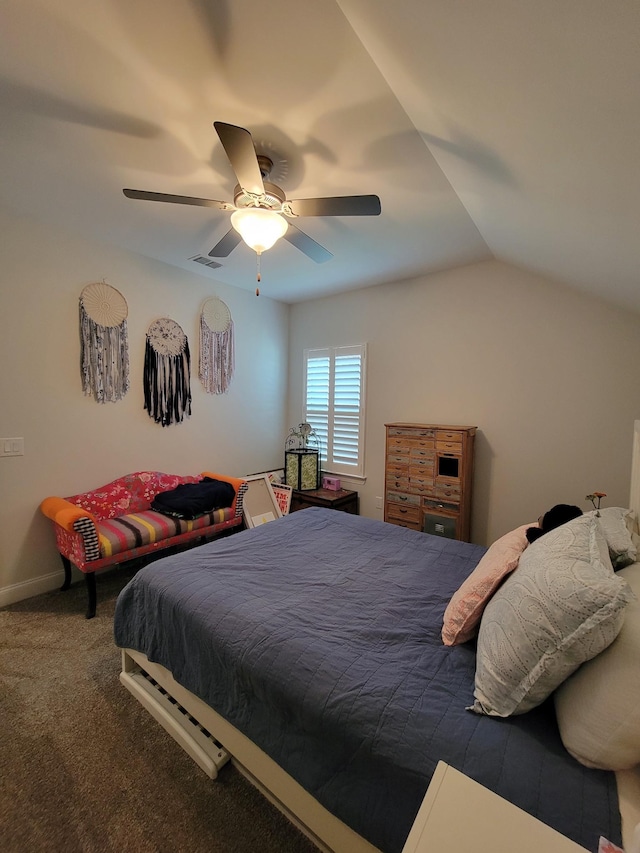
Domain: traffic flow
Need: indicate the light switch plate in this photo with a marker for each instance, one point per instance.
(11, 446)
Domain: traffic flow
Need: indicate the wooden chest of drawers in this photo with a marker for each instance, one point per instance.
(428, 477)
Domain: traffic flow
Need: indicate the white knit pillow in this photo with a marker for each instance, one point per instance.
(562, 606)
(598, 708)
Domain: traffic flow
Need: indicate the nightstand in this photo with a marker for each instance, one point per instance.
(459, 814)
(344, 500)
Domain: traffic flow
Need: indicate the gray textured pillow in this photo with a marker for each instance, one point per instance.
(562, 606)
(618, 525)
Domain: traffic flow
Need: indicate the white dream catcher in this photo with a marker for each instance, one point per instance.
(167, 370)
(104, 345)
(216, 346)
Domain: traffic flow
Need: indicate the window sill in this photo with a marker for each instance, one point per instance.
(347, 478)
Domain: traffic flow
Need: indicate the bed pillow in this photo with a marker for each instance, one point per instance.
(562, 607)
(598, 707)
(464, 611)
(618, 525)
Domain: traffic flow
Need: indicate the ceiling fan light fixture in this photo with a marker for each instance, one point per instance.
(259, 228)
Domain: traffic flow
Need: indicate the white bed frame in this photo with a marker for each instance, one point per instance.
(629, 780)
(325, 830)
(634, 496)
(201, 731)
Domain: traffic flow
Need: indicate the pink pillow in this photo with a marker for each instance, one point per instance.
(464, 611)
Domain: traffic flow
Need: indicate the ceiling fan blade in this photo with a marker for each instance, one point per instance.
(224, 247)
(238, 145)
(307, 245)
(345, 205)
(178, 199)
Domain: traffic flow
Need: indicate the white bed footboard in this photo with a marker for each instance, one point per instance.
(196, 742)
(186, 724)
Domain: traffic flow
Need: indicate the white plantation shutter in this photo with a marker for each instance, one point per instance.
(317, 394)
(334, 405)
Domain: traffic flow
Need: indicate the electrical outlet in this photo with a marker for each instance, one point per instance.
(378, 502)
(11, 446)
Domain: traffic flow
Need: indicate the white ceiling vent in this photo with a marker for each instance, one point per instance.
(206, 262)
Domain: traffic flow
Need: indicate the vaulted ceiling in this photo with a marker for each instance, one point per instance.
(492, 128)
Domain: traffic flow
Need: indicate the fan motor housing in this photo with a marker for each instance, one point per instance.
(273, 198)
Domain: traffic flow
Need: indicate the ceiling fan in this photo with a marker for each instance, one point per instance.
(259, 207)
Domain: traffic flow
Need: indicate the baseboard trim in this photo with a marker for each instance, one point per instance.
(27, 589)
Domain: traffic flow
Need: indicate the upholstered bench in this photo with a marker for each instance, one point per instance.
(116, 523)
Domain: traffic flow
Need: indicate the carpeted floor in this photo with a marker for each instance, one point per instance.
(83, 767)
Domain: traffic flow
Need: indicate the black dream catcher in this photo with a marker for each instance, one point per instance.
(167, 372)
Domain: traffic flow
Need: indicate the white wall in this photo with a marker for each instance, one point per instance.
(549, 376)
(73, 443)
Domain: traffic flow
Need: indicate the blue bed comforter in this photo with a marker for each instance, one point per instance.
(318, 636)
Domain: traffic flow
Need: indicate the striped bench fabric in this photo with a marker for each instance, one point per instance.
(127, 532)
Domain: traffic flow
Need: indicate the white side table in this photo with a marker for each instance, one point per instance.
(459, 814)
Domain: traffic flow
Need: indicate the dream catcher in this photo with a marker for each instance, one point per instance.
(216, 346)
(167, 368)
(104, 345)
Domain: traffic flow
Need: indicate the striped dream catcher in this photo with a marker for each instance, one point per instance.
(167, 368)
(216, 346)
(104, 344)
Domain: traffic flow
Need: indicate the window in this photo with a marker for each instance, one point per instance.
(334, 405)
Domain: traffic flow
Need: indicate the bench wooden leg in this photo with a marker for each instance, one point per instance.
(91, 586)
(91, 594)
(67, 573)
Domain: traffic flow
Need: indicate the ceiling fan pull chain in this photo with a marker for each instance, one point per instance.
(258, 277)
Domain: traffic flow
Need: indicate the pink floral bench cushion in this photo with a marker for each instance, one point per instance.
(135, 530)
(129, 494)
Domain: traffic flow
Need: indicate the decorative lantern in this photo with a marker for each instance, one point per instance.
(301, 462)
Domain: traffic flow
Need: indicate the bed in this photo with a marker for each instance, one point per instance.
(309, 650)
